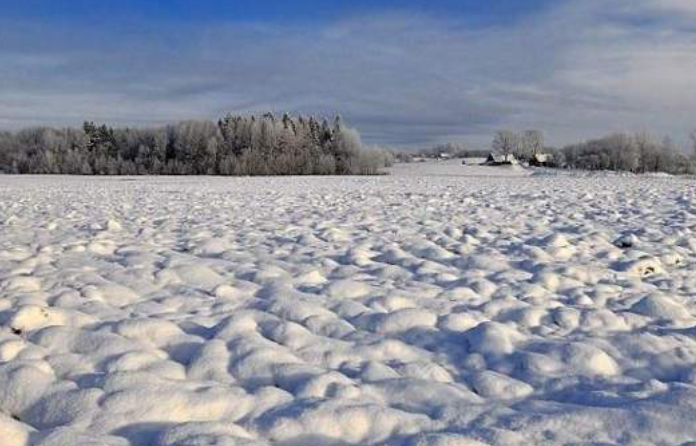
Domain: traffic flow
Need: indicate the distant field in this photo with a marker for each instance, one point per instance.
(443, 305)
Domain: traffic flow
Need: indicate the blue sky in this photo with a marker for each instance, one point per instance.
(303, 11)
(405, 73)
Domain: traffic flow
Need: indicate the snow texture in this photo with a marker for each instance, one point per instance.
(444, 305)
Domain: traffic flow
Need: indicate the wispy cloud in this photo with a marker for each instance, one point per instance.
(578, 69)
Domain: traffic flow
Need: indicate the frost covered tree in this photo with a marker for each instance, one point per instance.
(532, 143)
(623, 152)
(235, 145)
(648, 152)
(505, 143)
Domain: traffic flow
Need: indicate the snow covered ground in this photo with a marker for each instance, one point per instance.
(444, 305)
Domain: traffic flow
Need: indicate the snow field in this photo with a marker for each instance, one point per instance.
(441, 306)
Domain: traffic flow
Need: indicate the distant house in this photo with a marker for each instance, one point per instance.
(495, 159)
(444, 156)
(540, 160)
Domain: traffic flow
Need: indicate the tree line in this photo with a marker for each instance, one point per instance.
(235, 145)
(637, 153)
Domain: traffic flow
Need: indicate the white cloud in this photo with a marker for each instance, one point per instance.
(579, 69)
(669, 6)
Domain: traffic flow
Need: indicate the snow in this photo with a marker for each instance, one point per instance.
(444, 305)
(13, 432)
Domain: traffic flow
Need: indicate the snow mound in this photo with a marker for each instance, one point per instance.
(199, 276)
(643, 267)
(444, 439)
(659, 306)
(492, 338)
(490, 384)
(22, 284)
(340, 421)
(14, 433)
(627, 241)
(403, 320)
(196, 434)
(588, 360)
(348, 289)
(33, 317)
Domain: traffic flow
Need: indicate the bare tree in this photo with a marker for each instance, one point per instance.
(634, 153)
(533, 142)
(504, 143)
(648, 153)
